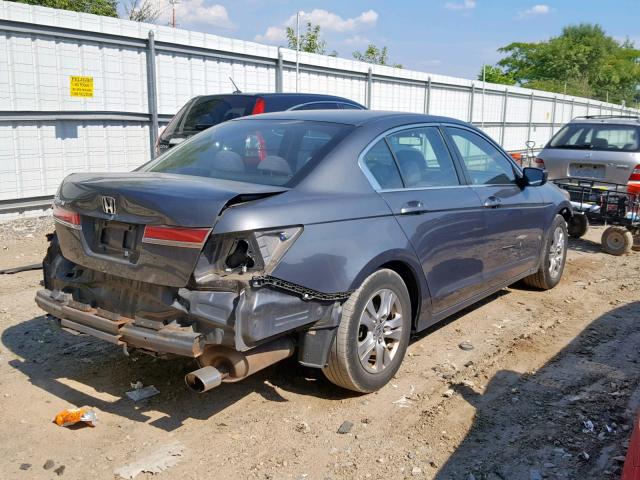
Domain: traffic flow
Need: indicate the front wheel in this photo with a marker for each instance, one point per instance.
(373, 334)
(553, 258)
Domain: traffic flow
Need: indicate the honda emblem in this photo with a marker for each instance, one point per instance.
(109, 205)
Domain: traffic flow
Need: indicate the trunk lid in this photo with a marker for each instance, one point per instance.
(110, 239)
(606, 166)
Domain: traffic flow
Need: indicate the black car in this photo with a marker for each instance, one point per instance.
(205, 111)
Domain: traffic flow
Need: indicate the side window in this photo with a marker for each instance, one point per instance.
(381, 165)
(423, 158)
(484, 163)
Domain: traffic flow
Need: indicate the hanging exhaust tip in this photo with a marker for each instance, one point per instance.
(203, 379)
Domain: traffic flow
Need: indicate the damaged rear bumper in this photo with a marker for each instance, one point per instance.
(120, 330)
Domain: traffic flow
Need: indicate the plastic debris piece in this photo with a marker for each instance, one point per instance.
(71, 416)
(155, 461)
(466, 345)
(140, 393)
(588, 426)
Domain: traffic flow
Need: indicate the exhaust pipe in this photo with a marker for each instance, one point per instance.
(204, 379)
(223, 364)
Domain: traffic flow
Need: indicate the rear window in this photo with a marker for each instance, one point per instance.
(587, 136)
(267, 152)
(204, 112)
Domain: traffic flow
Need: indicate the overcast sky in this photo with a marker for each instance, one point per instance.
(451, 37)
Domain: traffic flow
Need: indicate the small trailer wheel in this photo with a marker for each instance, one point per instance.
(578, 225)
(617, 240)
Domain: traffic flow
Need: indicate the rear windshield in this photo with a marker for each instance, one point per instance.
(588, 136)
(204, 112)
(267, 152)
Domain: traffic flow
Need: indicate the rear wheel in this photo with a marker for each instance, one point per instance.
(578, 225)
(553, 258)
(373, 334)
(617, 240)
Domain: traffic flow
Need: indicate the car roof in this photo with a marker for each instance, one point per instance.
(608, 119)
(350, 117)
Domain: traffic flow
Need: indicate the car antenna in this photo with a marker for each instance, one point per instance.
(237, 90)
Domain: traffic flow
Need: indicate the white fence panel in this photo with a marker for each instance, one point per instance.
(45, 133)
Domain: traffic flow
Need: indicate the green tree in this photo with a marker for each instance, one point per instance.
(583, 60)
(375, 55)
(309, 41)
(493, 74)
(106, 8)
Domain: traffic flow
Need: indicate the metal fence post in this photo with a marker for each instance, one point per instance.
(473, 94)
(279, 73)
(427, 97)
(530, 117)
(369, 86)
(553, 115)
(587, 108)
(573, 101)
(504, 116)
(152, 93)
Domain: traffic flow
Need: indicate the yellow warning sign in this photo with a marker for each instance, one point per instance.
(81, 86)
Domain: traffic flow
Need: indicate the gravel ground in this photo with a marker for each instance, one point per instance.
(548, 390)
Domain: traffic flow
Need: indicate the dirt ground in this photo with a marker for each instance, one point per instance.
(548, 391)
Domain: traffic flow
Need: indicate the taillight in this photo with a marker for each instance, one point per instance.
(175, 236)
(538, 163)
(634, 181)
(258, 107)
(66, 217)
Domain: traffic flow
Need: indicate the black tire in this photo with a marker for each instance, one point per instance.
(578, 225)
(547, 277)
(345, 368)
(617, 240)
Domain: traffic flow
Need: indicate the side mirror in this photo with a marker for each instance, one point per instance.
(534, 177)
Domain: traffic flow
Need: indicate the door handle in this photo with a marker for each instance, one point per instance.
(492, 202)
(414, 206)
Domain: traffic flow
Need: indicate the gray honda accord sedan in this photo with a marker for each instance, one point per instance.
(330, 234)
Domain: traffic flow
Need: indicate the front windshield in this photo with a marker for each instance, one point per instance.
(267, 152)
(596, 136)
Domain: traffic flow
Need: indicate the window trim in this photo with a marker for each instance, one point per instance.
(516, 168)
(337, 102)
(462, 175)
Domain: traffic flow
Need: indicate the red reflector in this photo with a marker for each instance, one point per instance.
(176, 236)
(258, 107)
(66, 217)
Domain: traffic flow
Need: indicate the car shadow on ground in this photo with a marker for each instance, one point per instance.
(565, 420)
(82, 371)
(584, 245)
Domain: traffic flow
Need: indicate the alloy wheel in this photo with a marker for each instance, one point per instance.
(379, 331)
(556, 252)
